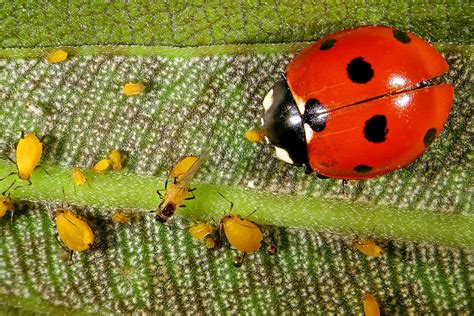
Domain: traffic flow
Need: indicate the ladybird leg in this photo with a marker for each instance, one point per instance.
(344, 182)
(307, 169)
(231, 203)
(281, 75)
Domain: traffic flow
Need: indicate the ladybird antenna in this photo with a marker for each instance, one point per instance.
(231, 203)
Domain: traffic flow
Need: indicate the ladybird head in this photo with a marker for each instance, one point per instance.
(284, 125)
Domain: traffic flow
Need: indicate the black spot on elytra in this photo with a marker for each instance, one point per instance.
(429, 137)
(315, 115)
(362, 168)
(401, 36)
(360, 71)
(327, 44)
(375, 129)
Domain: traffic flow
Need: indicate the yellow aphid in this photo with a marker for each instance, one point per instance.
(367, 247)
(201, 230)
(210, 243)
(183, 166)
(101, 166)
(56, 56)
(179, 190)
(242, 234)
(28, 154)
(255, 135)
(115, 158)
(371, 307)
(6, 204)
(78, 176)
(130, 89)
(74, 231)
(121, 218)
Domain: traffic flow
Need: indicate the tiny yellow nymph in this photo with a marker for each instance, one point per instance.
(121, 217)
(6, 204)
(115, 158)
(367, 247)
(371, 307)
(131, 89)
(255, 135)
(101, 166)
(56, 56)
(78, 177)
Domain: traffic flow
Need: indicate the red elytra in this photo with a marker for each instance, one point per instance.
(352, 106)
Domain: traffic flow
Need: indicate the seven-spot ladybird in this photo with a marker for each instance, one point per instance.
(78, 177)
(6, 204)
(74, 232)
(367, 247)
(178, 191)
(357, 104)
(56, 56)
(371, 307)
(130, 89)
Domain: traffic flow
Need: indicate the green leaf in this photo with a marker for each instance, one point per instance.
(207, 97)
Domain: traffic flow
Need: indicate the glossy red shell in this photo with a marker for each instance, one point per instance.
(413, 118)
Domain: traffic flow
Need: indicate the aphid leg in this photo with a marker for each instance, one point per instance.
(8, 189)
(46, 171)
(159, 192)
(281, 75)
(9, 175)
(251, 213)
(231, 203)
(22, 134)
(175, 180)
(11, 160)
(239, 260)
(88, 183)
(70, 261)
(191, 197)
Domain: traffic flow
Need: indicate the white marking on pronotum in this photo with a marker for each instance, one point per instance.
(283, 155)
(308, 131)
(268, 100)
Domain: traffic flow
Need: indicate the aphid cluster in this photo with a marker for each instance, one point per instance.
(341, 110)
